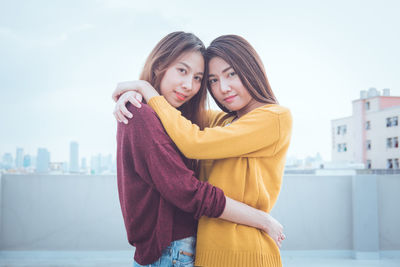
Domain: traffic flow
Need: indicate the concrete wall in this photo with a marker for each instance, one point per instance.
(81, 212)
(61, 212)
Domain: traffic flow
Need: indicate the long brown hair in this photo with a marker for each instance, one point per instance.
(169, 49)
(239, 54)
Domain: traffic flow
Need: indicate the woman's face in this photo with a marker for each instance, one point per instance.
(227, 87)
(182, 80)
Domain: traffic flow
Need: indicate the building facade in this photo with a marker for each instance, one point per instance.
(74, 157)
(371, 135)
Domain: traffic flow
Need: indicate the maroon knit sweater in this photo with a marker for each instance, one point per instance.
(160, 198)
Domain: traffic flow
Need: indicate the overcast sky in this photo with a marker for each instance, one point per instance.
(60, 62)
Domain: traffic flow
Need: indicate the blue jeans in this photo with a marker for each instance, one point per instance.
(179, 253)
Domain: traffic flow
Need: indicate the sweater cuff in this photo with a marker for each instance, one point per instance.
(220, 203)
(157, 101)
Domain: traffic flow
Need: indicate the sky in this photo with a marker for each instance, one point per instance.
(61, 60)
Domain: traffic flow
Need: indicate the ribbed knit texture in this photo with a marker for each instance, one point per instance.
(224, 258)
(246, 160)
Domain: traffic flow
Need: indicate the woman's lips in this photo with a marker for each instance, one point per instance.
(180, 96)
(230, 99)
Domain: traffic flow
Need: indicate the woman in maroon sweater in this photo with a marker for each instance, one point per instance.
(161, 199)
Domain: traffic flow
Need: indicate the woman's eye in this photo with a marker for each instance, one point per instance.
(232, 74)
(181, 70)
(198, 78)
(211, 81)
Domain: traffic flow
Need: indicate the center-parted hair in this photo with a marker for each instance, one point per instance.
(167, 51)
(242, 57)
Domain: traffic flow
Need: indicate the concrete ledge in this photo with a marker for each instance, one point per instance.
(366, 255)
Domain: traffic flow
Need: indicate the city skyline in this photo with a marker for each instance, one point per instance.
(58, 74)
(41, 162)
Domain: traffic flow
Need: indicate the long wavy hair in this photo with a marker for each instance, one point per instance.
(239, 54)
(169, 49)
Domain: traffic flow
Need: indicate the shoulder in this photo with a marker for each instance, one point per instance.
(145, 111)
(271, 114)
(217, 117)
(146, 124)
(273, 111)
(145, 116)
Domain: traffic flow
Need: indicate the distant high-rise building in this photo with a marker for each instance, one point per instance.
(27, 161)
(106, 163)
(19, 158)
(8, 161)
(95, 164)
(65, 168)
(83, 165)
(74, 157)
(42, 160)
(371, 135)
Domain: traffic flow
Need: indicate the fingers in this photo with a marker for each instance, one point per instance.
(134, 102)
(139, 97)
(119, 116)
(125, 112)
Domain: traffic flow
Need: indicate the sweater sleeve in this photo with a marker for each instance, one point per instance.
(215, 117)
(259, 129)
(159, 163)
(177, 184)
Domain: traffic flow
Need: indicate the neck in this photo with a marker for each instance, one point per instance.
(251, 106)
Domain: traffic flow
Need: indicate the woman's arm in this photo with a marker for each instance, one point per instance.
(263, 129)
(241, 213)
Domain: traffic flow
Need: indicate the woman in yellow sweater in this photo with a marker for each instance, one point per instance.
(245, 149)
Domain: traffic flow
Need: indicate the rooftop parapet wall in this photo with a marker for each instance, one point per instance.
(82, 212)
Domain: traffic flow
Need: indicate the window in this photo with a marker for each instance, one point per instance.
(389, 143)
(367, 125)
(388, 122)
(390, 164)
(368, 144)
(367, 106)
(395, 121)
(392, 121)
(396, 164)
(341, 130)
(342, 147)
(392, 142)
(369, 164)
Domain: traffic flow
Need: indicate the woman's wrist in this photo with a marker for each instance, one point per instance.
(147, 91)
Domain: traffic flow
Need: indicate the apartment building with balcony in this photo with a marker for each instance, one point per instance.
(371, 134)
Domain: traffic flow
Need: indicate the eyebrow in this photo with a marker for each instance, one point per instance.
(187, 66)
(223, 71)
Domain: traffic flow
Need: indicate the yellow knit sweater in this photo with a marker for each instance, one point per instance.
(249, 158)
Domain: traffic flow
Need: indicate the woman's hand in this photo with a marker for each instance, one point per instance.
(120, 110)
(142, 87)
(274, 229)
(123, 87)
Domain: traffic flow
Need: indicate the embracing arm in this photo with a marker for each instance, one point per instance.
(241, 213)
(259, 129)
